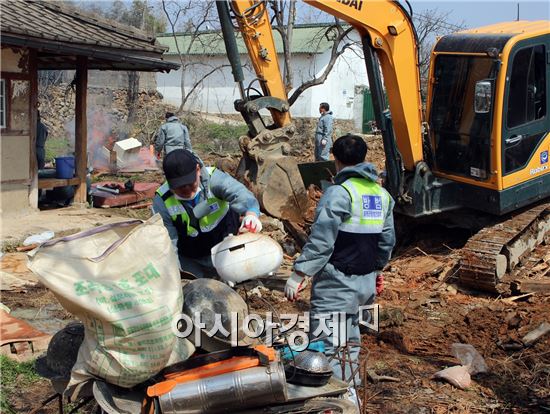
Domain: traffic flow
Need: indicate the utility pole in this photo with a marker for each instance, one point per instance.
(517, 18)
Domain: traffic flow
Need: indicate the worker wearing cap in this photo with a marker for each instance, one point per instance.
(200, 206)
(350, 242)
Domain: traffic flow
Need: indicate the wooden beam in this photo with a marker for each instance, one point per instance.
(81, 129)
(47, 183)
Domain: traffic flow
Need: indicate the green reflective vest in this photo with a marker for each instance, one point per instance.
(218, 210)
(369, 205)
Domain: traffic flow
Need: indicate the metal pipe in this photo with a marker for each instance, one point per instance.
(228, 393)
(393, 181)
(231, 44)
(107, 189)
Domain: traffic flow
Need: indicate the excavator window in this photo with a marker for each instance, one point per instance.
(461, 136)
(527, 97)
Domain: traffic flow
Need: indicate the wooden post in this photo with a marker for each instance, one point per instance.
(81, 129)
(33, 105)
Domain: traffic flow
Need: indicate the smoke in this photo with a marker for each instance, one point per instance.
(101, 140)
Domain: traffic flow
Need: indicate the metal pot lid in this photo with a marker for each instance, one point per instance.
(214, 300)
(311, 361)
(116, 400)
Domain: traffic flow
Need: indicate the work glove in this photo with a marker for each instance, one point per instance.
(251, 223)
(323, 142)
(294, 285)
(379, 283)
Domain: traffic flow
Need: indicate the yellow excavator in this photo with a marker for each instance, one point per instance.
(477, 151)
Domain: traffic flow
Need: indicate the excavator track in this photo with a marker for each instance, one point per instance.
(490, 258)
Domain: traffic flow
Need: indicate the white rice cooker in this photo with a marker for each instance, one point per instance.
(246, 256)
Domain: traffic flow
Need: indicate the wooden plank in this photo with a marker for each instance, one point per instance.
(46, 183)
(538, 286)
(25, 181)
(81, 129)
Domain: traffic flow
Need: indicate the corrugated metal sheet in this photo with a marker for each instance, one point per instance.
(305, 39)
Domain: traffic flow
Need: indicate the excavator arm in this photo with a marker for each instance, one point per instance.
(252, 19)
(266, 166)
(389, 42)
(386, 29)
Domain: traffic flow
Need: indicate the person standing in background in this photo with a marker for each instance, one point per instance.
(172, 135)
(323, 133)
(41, 136)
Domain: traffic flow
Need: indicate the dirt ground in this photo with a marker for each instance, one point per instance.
(422, 313)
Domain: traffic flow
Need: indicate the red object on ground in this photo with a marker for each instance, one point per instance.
(142, 191)
(15, 330)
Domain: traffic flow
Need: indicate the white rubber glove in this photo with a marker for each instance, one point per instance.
(294, 285)
(251, 223)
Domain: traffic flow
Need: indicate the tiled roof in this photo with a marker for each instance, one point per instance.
(305, 39)
(45, 24)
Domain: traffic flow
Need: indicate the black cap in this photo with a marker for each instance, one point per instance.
(180, 168)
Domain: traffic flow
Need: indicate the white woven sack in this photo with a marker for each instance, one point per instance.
(122, 281)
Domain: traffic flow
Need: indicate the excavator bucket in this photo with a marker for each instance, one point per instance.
(317, 173)
(280, 184)
(279, 188)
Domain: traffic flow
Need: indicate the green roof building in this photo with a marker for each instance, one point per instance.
(205, 63)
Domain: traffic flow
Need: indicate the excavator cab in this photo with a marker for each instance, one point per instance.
(487, 112)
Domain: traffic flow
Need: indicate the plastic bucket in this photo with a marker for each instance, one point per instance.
(64, 167)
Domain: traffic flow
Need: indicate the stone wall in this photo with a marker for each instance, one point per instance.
(107, 110)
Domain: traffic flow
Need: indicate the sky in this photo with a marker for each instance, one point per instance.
(468, 13)
(481, 13)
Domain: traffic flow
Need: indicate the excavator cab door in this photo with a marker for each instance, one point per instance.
(526, 124)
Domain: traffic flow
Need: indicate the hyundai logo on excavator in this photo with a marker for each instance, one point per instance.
(352, 3)
(544, 157)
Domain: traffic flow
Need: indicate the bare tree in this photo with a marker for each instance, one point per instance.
(430, 24)
(194, 18)
(286, 31)
(336, 33)
(339, 36)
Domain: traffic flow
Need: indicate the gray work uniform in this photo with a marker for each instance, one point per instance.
(332, 289)
(323, 132)
(171, 136)
(224, 187)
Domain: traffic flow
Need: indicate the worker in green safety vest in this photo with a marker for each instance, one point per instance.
(350, 242)
(200, 206)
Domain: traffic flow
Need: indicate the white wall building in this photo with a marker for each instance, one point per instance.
(343, 89)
